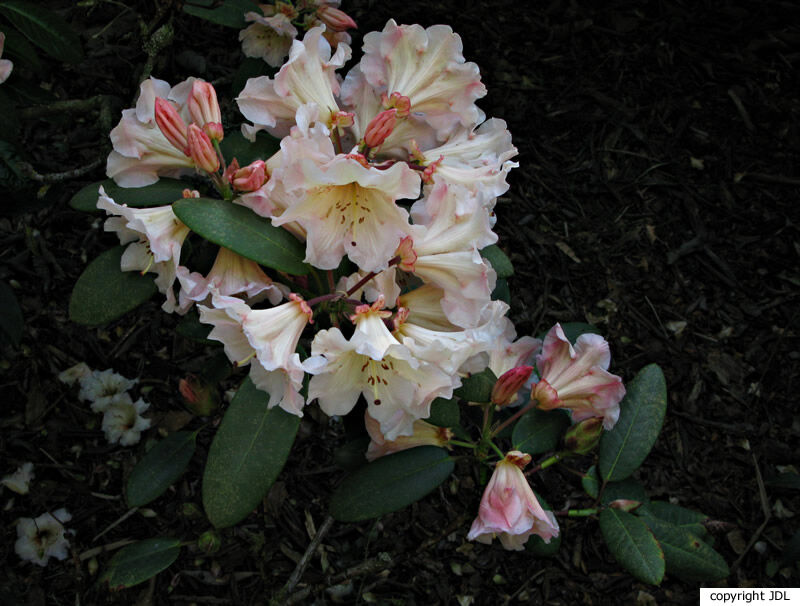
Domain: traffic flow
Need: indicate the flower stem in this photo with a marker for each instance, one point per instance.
(512, 418)
(464, 444)
(548, 462)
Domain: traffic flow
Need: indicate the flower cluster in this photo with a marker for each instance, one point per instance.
(108, 394)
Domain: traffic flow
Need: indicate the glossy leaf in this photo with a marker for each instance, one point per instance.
(687, 556)
(11, 323)
(229, 13)
(478, 387)
(162, 192)
(642, 411)
(246, 456)
(681, 517)
(499, 261)
(235, 145)
(501, 291)
(104, 293)
(45, 28)
(539, 431)
(633, 545)
(390, 483)
(629, 489)
(163, 464)
(242, 231)
(444, 413)
(591, 482)
(137, 563)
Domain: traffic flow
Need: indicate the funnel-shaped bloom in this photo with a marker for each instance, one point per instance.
(509, 510)
(269, 37)
(424, 434)
(123, 421)
(42, 538)
(578, 378)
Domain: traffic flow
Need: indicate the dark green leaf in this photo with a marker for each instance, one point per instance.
(162, 192)
(787, 480)
(642, 411)
(686, 555)
(681, 517)
(104, 292)
(390, 483)
(230, 13)
(478, 387)
(234, 145)
(536, 545)
(633, 545)
(190, 327)
(11, 323)
(350, 456)
(444, 413)
(20, 50)
(499, 261)
(160, 468)
(591, 482)
(501, 291)
(247, 454)
(249, 67)
(44, 28)
(626, 489)
(539, 431)
(136, 563)
(244, 232)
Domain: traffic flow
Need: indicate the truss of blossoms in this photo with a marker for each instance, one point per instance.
(356, 269)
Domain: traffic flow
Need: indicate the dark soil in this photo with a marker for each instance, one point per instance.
(657, 197)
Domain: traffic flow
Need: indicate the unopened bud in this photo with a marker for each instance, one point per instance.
(380, 128)
(624, 504)
(399, 102)
(510, 382)
(204, 108)
(335, 19)
(190, 193)
(171, 125)
(584, 436)
(251, 177)
(214, 130)
(201, 150)
(209, 542)
(199, 397)
(231, 170)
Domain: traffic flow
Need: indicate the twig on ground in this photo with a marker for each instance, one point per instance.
(762, 493)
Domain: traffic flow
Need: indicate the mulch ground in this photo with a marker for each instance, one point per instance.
(657, 198)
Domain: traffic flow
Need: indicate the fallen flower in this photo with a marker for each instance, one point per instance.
(20, 480)
(43, 537)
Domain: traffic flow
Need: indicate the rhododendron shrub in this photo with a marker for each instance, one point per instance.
(356, 269)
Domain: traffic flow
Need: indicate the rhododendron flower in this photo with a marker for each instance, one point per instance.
(577, 378)
(122, 420)
(424, 434)
(42, 538)
(266, 339)
(74, 373)
(509, 509)
(100, 387)
(20, 480)
(5, 64)
(269, 37)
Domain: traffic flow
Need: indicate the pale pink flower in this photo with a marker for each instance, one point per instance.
(509, 509)
(5, 64)
(100, 387)
(268, 37)
(42, 538)
(577, 378)
(123, 421)
(424, 434)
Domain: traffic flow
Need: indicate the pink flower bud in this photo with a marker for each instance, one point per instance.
(584, 436)
(171, 125)
(505, 389)
(251, 177)
(335, 19)
(214, 130)
(380, 128)
(199, 397)
(624, 504)
(232, 169)
(201, 150)
(190, 193)
(204, 108)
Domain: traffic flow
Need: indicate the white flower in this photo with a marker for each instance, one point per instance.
(100, 387)
(43, 537)
(74, 373)
(122, 420)
(20, 480)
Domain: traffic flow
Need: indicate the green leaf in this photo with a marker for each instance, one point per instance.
(536, 545)
(136, 563)
(244, 232)
(681, 517)
(45, 29)
(390, 483)
(499, 261)
(633, 545)
(591, 482)
(444, 413)
(190, 327)
(478, 387)
(160, 468)
(351, 455)
(573, 330)
(20, 50)
(539, 431)
(626, 489)
(11, 322)
(687, 556)
(501, 291)
(642, 411)
(249, 67)
(230, 13)
(235, 145)
(246, 456)
(162, 192)
(104, 292)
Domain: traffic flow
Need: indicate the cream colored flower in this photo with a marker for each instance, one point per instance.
(20, 480)
(42, 538)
